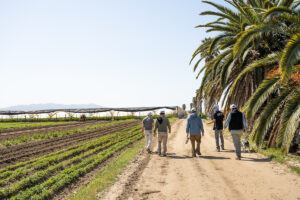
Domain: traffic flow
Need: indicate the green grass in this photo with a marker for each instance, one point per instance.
(295, 169)
(108, 175)
(276, 155)
(28, 124)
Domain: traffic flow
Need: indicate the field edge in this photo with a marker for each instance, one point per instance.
(108, 175)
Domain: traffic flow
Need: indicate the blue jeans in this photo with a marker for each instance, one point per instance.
(218, 133)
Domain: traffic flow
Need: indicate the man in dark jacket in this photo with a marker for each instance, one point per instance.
(162, 124)
(218, 118)
(194, 127)
(237, 123)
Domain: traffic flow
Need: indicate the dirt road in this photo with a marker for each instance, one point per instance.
(213, 176)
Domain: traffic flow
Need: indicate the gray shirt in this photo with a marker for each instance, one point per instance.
(148, 121)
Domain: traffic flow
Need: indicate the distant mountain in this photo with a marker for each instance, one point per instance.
(48, 106)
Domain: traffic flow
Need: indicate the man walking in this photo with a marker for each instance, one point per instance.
(162, 124)
(237, 123)
(147, 127)
(218, 118)
(194, 127)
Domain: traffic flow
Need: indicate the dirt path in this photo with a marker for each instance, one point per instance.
(214, 175)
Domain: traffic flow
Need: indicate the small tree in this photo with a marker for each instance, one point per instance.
(183, 106)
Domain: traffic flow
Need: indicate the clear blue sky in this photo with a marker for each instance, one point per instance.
(111, 53)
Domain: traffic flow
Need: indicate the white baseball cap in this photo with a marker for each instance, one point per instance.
(216, 106)
(149, 113)
(233, 106)
(193, 109)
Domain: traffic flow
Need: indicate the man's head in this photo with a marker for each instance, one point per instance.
(233, 107)
(193, 110)
(162, 113)
(216, 107)
(150, 114)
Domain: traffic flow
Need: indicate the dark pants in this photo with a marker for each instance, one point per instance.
(195, 138)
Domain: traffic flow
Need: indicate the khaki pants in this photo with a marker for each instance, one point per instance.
(195, 138)
(162, 138)
(148, 138)
(236, 138)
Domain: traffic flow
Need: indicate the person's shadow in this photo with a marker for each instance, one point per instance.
(188, 157)
(214, 157)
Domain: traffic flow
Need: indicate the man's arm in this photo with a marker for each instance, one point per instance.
(201, 127)
(213, 121)
(227, 121)
(156, 126)
(169, 126)
(143, 126)
(187, 128)
(245, 125)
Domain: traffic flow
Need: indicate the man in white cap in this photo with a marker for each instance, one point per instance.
(162, 124)
(218, 118)
(147, 127)
(237, 123)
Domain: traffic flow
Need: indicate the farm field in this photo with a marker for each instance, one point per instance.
(17, 137)
(40, 168)
(7, 125)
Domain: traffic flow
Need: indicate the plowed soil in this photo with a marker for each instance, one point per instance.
(27, 151)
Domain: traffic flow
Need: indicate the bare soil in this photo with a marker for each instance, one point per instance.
(212, 176)
(30, 150)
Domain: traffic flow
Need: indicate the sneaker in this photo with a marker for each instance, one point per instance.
(198, 152)
(218, 150)
(149, 151)
(159, 153)
(223, 148)
(164, 155)
(238, 158)
(194, 155)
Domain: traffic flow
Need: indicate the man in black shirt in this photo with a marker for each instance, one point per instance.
(218, 118)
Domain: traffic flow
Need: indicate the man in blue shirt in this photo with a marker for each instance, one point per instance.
(194, 128)
(237, 123)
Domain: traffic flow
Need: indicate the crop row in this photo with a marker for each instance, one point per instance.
(62, 163)
(12, 175)
(35, 137)
(24, 124)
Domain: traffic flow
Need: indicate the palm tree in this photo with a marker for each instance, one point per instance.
(254, 56)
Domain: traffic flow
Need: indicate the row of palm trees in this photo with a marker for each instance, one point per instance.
(253, 62)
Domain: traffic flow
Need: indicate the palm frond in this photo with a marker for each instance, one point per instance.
(291, 55)
(266, 88)
(267, 61)
(278, 10)
(290, 122)
(268, 116)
